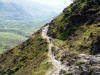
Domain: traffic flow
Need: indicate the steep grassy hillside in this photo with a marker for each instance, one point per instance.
(76, 32)
(29, 58)
(75, 29)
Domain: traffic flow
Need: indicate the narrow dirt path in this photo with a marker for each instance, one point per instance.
(57, 64)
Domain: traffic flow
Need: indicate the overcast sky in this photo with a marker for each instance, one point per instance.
(54, 2)
(60, 3)
(57, 5)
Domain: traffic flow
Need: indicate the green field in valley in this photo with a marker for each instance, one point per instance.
(8, 40)
(14, 32)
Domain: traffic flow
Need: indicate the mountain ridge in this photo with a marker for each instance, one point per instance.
(75, 32)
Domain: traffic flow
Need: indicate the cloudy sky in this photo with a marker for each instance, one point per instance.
(58, 5)
(54, 2)
(54, 5)
(46, 2)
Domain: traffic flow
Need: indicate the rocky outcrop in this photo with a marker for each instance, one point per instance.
(82, 65)
(95, 49)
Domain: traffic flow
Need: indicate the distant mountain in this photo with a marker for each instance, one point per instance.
(17, 11)
(13, 11)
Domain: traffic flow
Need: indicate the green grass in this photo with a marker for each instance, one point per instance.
(44, 67)
(68, 73)
(8, 35)
(9, 40)
(29, 58)
(1, 51)
(58, 42)
(80, 61)
(17, 31)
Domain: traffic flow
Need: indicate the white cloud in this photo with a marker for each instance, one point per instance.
(5, 0)
(56, 5)
(59, 3)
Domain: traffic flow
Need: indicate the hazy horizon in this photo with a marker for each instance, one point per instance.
(56, 5)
